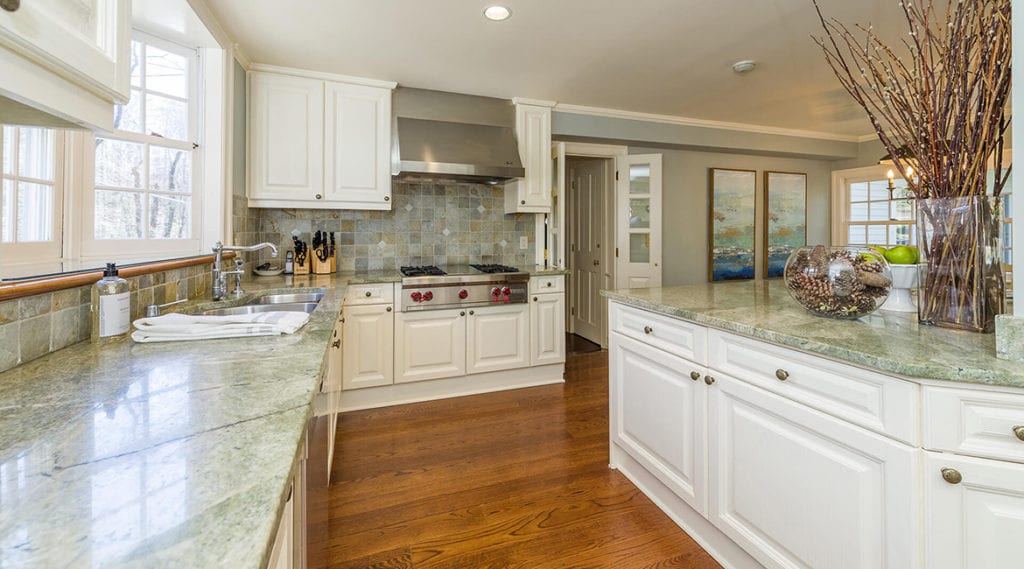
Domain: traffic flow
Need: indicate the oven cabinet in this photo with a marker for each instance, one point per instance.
(69, 60)
(319, 144)
(367, 345)
(547, 334)
(498, 338)
(430, 344)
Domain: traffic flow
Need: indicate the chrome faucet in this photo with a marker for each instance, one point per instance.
(220, 284)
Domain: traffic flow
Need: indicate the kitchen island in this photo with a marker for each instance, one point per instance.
(780, 439)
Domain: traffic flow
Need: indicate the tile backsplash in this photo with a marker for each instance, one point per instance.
(33, 326)
(430, 223)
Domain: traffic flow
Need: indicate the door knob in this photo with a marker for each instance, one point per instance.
(1019, 432)
(695, 375)
(952, 475)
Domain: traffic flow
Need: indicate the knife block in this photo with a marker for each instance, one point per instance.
(302, 269)
(321, 267)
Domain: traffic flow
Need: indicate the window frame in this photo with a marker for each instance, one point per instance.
(841, 182)
(91, 249)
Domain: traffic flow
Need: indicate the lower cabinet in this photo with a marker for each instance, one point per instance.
(547, 318)
(659, 415)
(367, 358)
(281, 553)
(797, 488)
(498, 338)
(974, 512)
(429, 345)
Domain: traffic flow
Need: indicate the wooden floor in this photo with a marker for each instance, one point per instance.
(517, 479)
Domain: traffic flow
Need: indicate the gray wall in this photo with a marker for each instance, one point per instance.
(685, 204)
(868, 154)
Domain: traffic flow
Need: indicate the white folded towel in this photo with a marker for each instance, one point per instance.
(176, 327)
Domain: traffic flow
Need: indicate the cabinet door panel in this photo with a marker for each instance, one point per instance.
(547, 323)
(287, 130)
(658, 415)
(430, 345)
(498, 337)
(368, 346)
(358, 144)
(977, 523)
(799, 489)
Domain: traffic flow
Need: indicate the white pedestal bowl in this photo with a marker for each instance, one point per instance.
(904, 279)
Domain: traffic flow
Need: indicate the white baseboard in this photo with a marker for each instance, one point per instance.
(415, 392)
(725, 551)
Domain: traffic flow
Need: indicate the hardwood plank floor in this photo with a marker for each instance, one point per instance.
(516, 479)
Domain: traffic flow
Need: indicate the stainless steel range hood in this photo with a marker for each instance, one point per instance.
(453, 136)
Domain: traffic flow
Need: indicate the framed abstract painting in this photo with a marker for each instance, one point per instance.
(731, 224)
(785, 219)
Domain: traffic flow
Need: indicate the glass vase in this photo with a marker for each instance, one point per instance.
(960, 284)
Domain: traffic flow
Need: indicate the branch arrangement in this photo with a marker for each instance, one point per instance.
(943, 110)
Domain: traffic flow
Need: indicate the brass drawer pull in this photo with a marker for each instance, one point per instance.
(695, 375)
(1019, 432)
(368, 294)
(708, 379)
(648, 330)
(952, 475)
(782, 374)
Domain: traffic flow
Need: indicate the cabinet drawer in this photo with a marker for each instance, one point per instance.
(382, 293)
(553, 283)
(872, 400)
(670, 334)
(978, 423)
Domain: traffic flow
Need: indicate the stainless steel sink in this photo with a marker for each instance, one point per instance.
(289, 298)
(306, 307)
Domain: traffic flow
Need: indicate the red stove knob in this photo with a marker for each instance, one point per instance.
(416, 297)
(495, 293)
(428, 296)
(507, 293)
(463, 294)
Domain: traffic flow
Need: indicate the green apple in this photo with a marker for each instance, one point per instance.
(901, 255)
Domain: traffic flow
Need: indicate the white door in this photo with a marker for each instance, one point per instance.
(367, 346)
(978, 521)
(638, 225)
(547, 324)
(659, 415)
(798, 489)
(497, 338)
(430, 345)
(588, 181)
(357, 145)
(287, 138)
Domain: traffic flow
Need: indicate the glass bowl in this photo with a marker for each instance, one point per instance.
(838, 282)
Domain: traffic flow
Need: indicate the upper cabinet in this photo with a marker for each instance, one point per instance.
(65, 62)
(532, 194)
(318, 141)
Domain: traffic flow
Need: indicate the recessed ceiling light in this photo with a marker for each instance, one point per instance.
(497, 13)
(743, 66)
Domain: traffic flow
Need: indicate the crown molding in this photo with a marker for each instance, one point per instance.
(703, 123)
(534, 102)
(867, 137)
(241, 57)
(322, 75)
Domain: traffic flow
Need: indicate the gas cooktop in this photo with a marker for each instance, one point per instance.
(495, 268)
(429, 270)
(432, 271)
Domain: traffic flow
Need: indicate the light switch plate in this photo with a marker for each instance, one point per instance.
(524, 242)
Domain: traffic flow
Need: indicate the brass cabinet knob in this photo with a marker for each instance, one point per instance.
(389, 309)
(695, 375)
(782, 374)
(368, 294)
(952, 475)
(10, 5)
(549, 284)
(336, 344)
(1019, 432)
(708, 379)
(535, 299)
(387, 198)
(463, 313)
(522, 202)
(319, 197)
(471, 313)
(648, 330)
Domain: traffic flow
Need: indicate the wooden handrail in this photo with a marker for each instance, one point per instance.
(42, 285)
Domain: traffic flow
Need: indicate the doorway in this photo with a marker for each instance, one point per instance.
(589, 184)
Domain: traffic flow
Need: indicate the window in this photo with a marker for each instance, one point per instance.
(30, 199)
(874, 216)
(143, 197)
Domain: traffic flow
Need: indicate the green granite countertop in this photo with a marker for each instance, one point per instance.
(158, 455)
(888, 342)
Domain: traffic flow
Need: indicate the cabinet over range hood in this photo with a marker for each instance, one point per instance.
(439, 135)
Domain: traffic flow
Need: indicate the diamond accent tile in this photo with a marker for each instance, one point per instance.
(382, 244)
(481, 209)
(503, 243)
(446, 232)
(408, 207)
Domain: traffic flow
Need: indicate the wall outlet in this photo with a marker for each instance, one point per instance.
(524, 242)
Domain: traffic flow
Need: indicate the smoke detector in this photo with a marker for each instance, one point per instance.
(743, 66)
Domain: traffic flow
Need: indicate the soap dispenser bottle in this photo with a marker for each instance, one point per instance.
(111, 306)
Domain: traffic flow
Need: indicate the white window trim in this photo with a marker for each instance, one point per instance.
(841, 180)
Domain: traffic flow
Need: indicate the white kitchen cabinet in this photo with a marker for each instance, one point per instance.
(282, 552)
(658, 414)
(67, 59)
(430, 345)
(974, 512)
(497, 338)
(797, 488)
(547, 328)
(318, 141)
(368, 346)
(532, 193)
(287, 131)
(357, 146)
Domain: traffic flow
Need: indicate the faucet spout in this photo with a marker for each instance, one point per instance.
(220, 286)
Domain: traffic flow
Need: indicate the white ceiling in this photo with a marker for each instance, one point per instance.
(669, 57)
